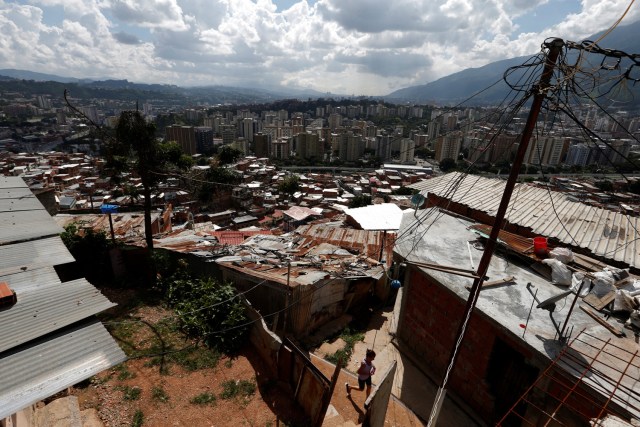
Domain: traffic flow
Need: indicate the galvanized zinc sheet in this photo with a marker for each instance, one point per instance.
(31, 278)
(44, 367)
(26, 225)
(33, 254)
(45, 309)
(605, 233)
(22, 216)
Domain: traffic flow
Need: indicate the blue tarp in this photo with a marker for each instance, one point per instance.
(109, 208)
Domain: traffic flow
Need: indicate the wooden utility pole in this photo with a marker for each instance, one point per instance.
(539, 90)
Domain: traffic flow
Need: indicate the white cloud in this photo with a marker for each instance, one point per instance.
(354, 46)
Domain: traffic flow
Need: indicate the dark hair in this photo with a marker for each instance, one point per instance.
(371, 354)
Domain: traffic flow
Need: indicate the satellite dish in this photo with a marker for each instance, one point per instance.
(550, 303)
(417, 200)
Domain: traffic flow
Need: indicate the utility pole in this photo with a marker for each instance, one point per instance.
(540, 90)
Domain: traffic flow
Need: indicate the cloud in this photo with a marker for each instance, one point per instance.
(165, 14)
(126, 38)
(354, 46)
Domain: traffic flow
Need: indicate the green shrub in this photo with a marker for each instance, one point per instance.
(138, 419)
(242, 388)
(204, 399)
(209, 310)
(350, 339)
(158, 394)
(129, 393)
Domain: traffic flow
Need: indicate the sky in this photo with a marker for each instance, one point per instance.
(349, 47)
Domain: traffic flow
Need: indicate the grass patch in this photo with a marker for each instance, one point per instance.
(130, 393)
(204, 399)
(238, 389)
(191, 359)
(124, 330)
(350, 339)
(123, 372)
(138, 418)
(159, 394)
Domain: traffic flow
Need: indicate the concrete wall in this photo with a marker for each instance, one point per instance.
(378, 401)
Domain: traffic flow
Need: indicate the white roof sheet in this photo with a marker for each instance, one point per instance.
(384, 216)
(548, 213)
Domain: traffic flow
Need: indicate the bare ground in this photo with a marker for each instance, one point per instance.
(170, 381)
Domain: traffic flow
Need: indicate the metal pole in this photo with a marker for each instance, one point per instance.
(554, 50)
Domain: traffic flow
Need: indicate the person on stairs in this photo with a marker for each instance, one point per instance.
(365, 371)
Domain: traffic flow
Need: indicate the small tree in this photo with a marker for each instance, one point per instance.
(360, 201)
(209, 310)
(447, 165)
(228, 155)
(289, 185)
(136, 148)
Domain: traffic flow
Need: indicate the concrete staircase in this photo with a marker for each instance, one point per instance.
(65, 412)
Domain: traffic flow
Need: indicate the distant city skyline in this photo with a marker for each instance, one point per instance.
(354, 47)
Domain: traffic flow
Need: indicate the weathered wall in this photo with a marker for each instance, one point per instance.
(378, 401)
(311, 388)
(263, 340)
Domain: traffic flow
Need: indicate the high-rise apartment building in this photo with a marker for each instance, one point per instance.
(309, 146)
(383, 147)
(185, 136)
(204, 140)
(407, 149)
(246, 130)
(351, 147)
(228, 133)
(448, 146)
(261, 144)
(578, 154)
(335, 121)
(281, 148)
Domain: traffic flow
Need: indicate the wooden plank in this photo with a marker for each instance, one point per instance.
(615, 331)
(503, 281)
(599, 303)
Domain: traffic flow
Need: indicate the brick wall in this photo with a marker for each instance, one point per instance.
(428, 325)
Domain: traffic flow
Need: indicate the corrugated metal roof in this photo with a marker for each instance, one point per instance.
(366, 242)
(230, 237)
(44, 367)
(48, 308)
(30, 278)
(37, 357)
(26, 225)
(125, 225)
(22, 217)
(548, 213)
(33, 254)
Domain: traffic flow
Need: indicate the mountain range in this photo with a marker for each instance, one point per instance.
(487, 82)
(462, 85)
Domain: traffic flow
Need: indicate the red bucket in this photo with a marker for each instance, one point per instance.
(540, 246)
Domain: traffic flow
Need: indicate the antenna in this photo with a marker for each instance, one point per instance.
(417, 200)
(550, 303)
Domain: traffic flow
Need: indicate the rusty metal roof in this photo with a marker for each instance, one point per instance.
(366, 242)
(126, 226)
(605, 233)
(229, 237)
